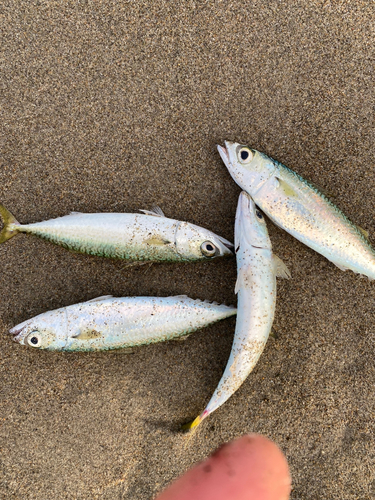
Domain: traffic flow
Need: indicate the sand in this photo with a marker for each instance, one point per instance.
(117, 106)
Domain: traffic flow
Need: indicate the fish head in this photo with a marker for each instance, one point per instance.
(250, 227)
(196, 243)
(249, 168)
(46, 331)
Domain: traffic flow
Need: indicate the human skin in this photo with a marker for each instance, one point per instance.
(249, 468)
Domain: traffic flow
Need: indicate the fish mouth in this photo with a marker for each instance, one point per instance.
(243, 219)
(246, 204)
(16, 330)
(18, 333)
(223, 152)
(229, 247)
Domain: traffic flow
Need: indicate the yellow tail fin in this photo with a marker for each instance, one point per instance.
(189, 426)
(8, 220)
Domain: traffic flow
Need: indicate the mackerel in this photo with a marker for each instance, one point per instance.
(300, 208)
(112, 323)
(257, 268)
(136, 237)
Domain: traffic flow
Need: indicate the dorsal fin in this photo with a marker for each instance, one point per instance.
(323, 190)
(184, 337)
(155, 210)
(103, 297)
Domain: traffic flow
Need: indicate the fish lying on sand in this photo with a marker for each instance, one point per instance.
(113, 323)
(257, 268)
(300, 208)
(137, 237)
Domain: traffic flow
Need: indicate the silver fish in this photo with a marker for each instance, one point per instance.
(257, 268)
(300, 208)
(113, 323)
(137, 237)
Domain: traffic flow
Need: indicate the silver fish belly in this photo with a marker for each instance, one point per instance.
(113, 323)
(257, 269)
(136, 237)
(298, 207)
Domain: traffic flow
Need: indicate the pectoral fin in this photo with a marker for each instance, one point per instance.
(238, 283)
(285, 187)
(157, 240)
(289, 191)
(280, 268)
(87, 335)
(241, 279)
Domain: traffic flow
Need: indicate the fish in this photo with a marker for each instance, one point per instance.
(149, 236)
(257, 269)
(112, 323)
(300, 208)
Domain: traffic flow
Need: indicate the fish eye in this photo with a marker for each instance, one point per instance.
(34, 339)
(259, 214)
(245, 155)
(208, 249)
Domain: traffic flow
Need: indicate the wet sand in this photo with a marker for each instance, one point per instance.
(117, 106)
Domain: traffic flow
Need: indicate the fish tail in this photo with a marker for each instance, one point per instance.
(191, 425)
(9, 221)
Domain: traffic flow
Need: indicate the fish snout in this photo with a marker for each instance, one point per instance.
(223, 152)
(229, 157)
(245, 205)
(18, 333)
(246, 201)
(225, 246)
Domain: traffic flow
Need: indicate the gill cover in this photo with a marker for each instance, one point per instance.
(194, 242)
(249, 168)
(47, 331)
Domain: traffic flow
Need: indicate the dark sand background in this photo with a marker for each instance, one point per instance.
(116, 106)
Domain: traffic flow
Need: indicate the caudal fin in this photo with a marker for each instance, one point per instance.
(9, 222)
(191, 425)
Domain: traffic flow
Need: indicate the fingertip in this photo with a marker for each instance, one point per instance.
(251, 467)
